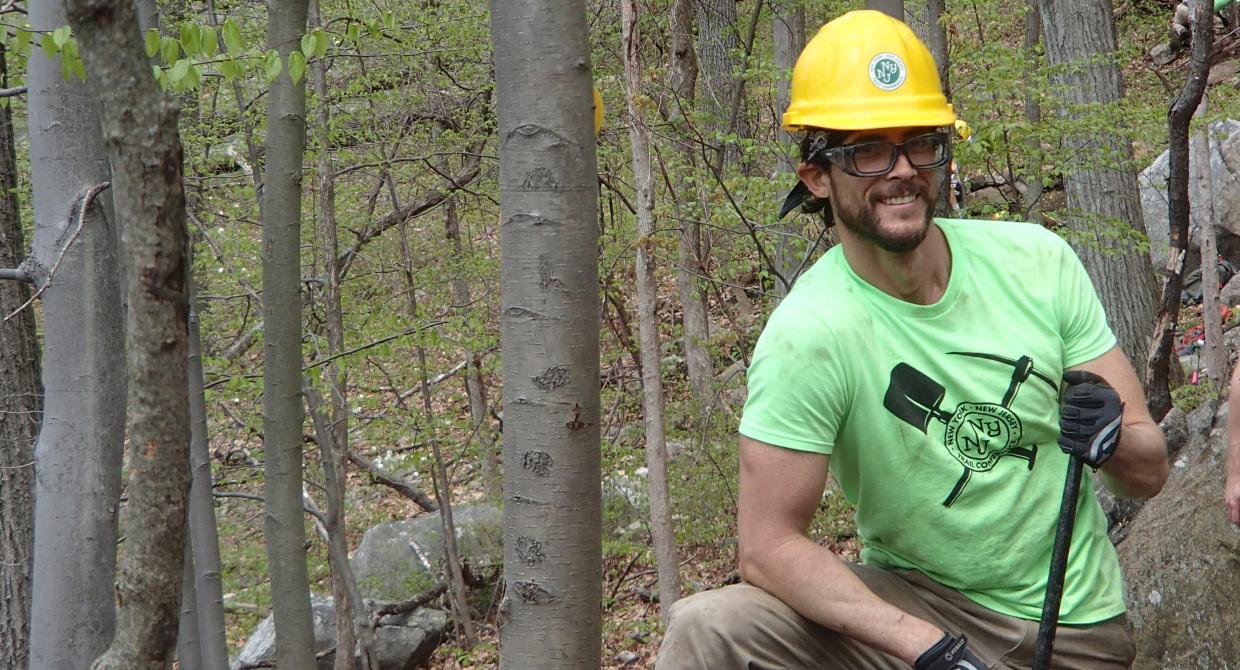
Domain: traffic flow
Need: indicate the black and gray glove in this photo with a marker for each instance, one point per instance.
(949, 653)
(1090, 418)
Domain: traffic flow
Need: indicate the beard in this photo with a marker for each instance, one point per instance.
(863, 222)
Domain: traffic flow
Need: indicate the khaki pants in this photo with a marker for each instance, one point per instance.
(742, 627)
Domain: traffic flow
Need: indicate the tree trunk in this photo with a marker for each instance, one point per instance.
(695, 324)
(283, 413)
(189, 647)
(666, 555)
(551, 616)
(78, 454)
(337, 449)
(1215, 356)
(718, 42)
(204, 536)
(21, 402)
(788, 30)
(1033, 114)
(1080, 36)
(892, 8)
(475, 386)
(1159, 361)
(144, 149)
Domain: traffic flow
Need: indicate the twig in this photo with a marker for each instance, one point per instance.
(83, 203)
(16, 274)
(379, 475)
(12, 92)
(389, 609)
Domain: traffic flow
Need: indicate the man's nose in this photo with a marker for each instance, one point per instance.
(903, 169)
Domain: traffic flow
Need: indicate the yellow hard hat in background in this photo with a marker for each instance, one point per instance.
(963, 131)
(866, 70)
(598, 111)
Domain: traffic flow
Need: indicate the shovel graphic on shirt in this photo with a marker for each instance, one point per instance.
(977, 434)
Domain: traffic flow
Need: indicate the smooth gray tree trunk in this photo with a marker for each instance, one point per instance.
(667, 557)
(189, 647)
(283, 412)
(718, 42)
(78, 454)
(203, 532)
(21, 403)
(139, 125)
(788, 32)
(551, 617)
(1033, 114)
(1102, 188)
(683, 72)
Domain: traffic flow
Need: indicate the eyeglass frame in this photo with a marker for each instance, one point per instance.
(843, 156)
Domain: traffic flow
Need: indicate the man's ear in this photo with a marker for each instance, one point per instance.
(815, 178)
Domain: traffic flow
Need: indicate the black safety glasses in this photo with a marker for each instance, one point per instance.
(874, 159)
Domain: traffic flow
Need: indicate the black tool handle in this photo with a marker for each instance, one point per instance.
(1059, 565)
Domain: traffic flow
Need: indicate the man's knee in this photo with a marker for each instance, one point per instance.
(714, 629)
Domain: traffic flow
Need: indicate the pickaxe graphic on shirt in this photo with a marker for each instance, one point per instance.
(976, 433)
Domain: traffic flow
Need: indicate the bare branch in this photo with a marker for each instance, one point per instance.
(17, 274)
(82, 205)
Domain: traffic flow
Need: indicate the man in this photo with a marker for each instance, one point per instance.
(920, 360)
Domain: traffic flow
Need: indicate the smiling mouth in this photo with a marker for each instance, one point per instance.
(899, 200)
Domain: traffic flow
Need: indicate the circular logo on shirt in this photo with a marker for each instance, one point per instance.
(887, 71)
(979, 433)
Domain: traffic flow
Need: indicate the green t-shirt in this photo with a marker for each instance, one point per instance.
(941, 420)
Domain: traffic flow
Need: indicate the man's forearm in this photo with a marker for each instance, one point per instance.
(819, 586)
(1139, 467)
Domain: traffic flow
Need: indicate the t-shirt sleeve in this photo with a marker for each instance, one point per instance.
(796, 392)
(1083, 323)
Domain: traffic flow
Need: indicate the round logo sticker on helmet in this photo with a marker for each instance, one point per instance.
(887, 71)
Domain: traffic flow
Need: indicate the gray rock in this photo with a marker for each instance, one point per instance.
(1225, 159)
(1175, 430)
(402, 642)
(1201, 420)
(397, 560)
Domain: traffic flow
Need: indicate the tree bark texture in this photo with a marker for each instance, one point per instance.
(1033, 114)
(78, 454)
(788, 31)
(664, 535)
(20, 411)
(203, 532)
(695, 324)
(1159, 361)
(21, 402)
(139, 126)
(1215, 358)
(549, 334)
(283, 412)
(189, 648)
(718, 34)
(1102, 188)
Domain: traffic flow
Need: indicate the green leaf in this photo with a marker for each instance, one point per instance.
(230, 69)
(78, 67)
(152, 43)
(61, 36)
(232, 37)
(272, 65)
(389, 21)
(307, 44)
(189, 39)
(194, 77)
(296, 66)
(157, 72)
(23, 41)
(49, 46)
(178, 72)
(320, 43)
(354, 32)
(170, 50)
(210, 43)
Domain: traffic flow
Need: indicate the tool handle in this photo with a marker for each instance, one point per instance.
(1059, 565)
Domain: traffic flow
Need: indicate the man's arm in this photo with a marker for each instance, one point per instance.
(1138, 469)
(780, 490)
(1231, 491)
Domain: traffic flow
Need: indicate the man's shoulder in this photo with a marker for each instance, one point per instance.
(1000, 238)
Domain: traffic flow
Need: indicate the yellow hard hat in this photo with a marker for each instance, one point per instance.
(866, 70)
(963, 131)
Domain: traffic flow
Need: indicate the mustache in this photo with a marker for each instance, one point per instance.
(900, 189)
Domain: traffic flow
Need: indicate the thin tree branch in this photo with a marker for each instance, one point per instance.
(83, 203)
(16, 274)
(380, 476)
(12, 92)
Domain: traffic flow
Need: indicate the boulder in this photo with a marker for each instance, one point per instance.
(1225, 159)
(402, 642)
(397, 560)
(1180, 559)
